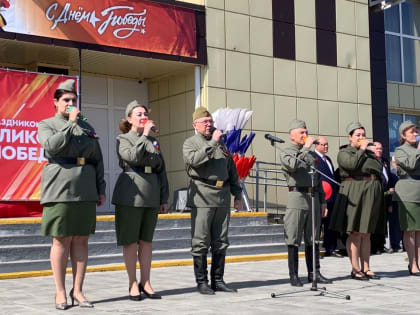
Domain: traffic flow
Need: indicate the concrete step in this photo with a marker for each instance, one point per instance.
(41, 251)
(158, 255)
(106, 223)
(22, 248)
(160, 234)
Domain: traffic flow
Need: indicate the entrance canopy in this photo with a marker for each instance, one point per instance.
(19, 54)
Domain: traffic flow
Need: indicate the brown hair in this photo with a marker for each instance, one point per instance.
(59, 93)
(124, 125)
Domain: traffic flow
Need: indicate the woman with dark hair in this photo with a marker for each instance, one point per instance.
(359, 207)
(72, 186)
(141, 192)
(407, 158)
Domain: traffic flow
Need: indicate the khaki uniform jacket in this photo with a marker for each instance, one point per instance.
(204, 158)
(407, 158)
(69, 182)
(139, 188)
(297, 175)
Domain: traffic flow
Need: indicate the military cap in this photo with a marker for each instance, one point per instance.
(405, 125)
(200, 112)
(68, 85)
(295, 124)
(353, 126)
(131, 106)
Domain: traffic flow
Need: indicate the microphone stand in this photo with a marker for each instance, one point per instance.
(323, 291)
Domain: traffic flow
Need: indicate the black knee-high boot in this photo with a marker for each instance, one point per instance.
(217, 272)
(293, 260)
(309, 263)
(200, 271)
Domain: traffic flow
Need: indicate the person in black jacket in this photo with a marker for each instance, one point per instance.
(326, 166)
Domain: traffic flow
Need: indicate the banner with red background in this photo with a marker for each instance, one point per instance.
(25, 99)
(139, 25)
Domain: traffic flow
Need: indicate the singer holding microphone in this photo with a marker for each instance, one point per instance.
(407, 158)
(359, 208)
(213, 179)
(298, 217)
(72, 185)
(140, 193)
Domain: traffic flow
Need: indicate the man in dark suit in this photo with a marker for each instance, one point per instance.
(389, 180)
(326, 166)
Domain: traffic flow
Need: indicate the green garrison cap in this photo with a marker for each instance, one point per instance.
(131, 106)
(200, 112)
(405, 125)
(295, 124)
(68, 85)
(353, 126)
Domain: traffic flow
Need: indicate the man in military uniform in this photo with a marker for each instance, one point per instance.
(213, 178)
(298, 217)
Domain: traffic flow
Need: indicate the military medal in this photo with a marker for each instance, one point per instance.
(156, 145)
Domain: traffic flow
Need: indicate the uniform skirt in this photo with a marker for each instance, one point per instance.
(135, 223)
(409, 213)
(69, 218)
(359, 207)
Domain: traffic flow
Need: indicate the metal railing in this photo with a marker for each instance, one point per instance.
(263, 176)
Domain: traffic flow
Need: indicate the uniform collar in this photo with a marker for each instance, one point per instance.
(298, 146)
(409, 145)
(62, 117)
(138, 134)
(203, 136)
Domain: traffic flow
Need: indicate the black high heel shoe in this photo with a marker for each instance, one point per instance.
(358, 275)
(371, 276)
(85, 303)
(153, 296)
(413, 273)
(134, 297)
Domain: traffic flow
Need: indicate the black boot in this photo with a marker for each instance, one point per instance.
(293, 260)
(308, 256)
(200, 271)
(216, 274)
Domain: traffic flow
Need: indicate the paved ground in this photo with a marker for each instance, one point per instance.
(395, 293)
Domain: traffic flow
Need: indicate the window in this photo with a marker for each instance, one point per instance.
(402, 40)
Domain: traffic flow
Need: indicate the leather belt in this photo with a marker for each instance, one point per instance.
(364, 177)
(216, 183)
(416, 177)
(67, 160)
(140, 169)
(302, 189)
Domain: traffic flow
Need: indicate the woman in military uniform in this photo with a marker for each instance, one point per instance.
(72, 185)
(140, 193)
(407, 157)
(359, 209)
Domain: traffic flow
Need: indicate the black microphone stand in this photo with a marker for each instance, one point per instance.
(323, 291)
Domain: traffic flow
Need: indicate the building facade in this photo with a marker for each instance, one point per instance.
(282, 59)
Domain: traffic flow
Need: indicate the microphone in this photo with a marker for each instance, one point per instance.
(78, 115)
(213, 128)
(154, 129)
(273, 139)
